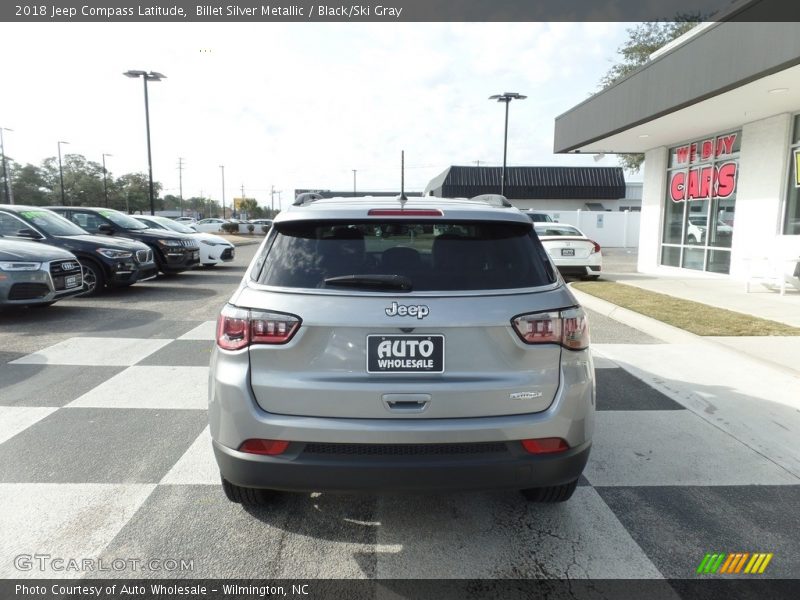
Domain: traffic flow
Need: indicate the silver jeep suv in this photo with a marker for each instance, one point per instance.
(401, 344)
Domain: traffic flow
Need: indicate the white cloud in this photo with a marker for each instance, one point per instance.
(300, 104)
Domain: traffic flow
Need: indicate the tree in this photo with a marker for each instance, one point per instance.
(134, 193)
(31, 186)
(643, 40)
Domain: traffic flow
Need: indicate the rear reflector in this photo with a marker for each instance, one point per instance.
(545, 446)
(238, 328)
(265, 447)
(398, 212)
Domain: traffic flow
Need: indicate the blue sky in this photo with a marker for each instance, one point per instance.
(298, 105)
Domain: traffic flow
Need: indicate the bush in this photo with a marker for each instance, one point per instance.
(251, 228)
(230, 227)
(264, 228)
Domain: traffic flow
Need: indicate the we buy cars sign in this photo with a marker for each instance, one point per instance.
(704, 181)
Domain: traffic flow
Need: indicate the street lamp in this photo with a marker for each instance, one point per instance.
(105, 185)
(505, 97)
(6, 184)
(151, 76)
(61, 173)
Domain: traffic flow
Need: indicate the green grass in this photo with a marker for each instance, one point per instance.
(695, 317)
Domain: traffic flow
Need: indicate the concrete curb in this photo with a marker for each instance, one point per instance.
(663, 331)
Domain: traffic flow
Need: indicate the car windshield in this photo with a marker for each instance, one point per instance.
(122, 220)
(548, 230)
(447, 256)
(50, 222)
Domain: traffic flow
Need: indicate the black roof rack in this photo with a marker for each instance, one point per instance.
(496, 200)
(307, 198)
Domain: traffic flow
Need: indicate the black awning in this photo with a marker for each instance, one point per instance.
(532, 183)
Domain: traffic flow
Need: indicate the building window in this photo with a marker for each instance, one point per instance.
(700, 203)
(791, 225)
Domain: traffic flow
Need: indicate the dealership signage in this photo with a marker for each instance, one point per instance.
(704, 181)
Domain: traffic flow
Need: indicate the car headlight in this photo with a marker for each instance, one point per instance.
(170, 243)
(19, 266)
(111, 253)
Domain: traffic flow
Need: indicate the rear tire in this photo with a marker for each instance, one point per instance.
(247, 496)
(555, 493)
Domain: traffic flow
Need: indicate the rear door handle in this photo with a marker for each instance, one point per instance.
(406, 403)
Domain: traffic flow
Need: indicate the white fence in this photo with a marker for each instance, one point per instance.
(609, 229)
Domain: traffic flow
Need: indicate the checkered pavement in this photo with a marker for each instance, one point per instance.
(105, 453)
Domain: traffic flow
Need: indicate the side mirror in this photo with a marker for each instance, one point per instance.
(30, 234)
(105, 228)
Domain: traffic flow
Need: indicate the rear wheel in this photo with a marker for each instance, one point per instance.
(93, 278)
(248, 496)
(555, 493)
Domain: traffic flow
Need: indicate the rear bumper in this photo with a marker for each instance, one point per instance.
(298, 471)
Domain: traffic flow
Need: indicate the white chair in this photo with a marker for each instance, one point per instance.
(779, 268)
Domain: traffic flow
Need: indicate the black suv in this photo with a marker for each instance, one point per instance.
(106, 262)
(174, 252)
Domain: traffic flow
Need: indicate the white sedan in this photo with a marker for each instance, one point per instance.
(209, 225)
(214, 250)
(572, 252)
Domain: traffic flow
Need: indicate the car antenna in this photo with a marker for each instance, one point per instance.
(403, 176)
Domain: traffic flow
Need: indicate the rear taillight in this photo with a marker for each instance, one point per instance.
(545, 445)
(596, 247)
(569, 327)
(264, 447)
(238, 328)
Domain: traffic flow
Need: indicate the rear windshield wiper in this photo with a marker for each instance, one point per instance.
(377, 282)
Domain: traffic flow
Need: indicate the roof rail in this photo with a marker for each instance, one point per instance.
(493, 200)
(306, 198)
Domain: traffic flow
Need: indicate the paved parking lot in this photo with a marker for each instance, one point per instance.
(105, 453)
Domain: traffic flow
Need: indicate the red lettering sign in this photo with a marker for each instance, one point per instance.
(703, 183)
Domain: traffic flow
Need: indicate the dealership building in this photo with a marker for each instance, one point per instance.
(716, 114)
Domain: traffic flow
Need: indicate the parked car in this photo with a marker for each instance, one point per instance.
(572, 252)
(33, 274)
(112, 262)
(538, 217)
(173, 252)
(185, 220)
(209, 225)
(261, 222)
(697, 227)
(349, 361)
(214, 250)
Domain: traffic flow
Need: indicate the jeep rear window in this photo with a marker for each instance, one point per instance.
(445, 256)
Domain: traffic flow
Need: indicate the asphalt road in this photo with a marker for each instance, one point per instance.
(105, 454)
(156, 308)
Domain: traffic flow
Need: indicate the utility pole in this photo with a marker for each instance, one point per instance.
(477, 163)
(272, 198)
(7, 185)
(240, 212)
(222, 167)
(180, 182)
(354, 182)
(105, 181)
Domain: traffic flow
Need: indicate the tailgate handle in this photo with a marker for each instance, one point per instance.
(406, 402)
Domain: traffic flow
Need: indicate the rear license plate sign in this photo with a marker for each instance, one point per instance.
(405, 354)
(568, 252)
(71, 281)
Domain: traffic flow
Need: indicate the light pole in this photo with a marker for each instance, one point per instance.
(151, 76)
(6, 184)
(505, 97)
(222, 168)
(354, 182)
(105, 184)
(61, 174)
